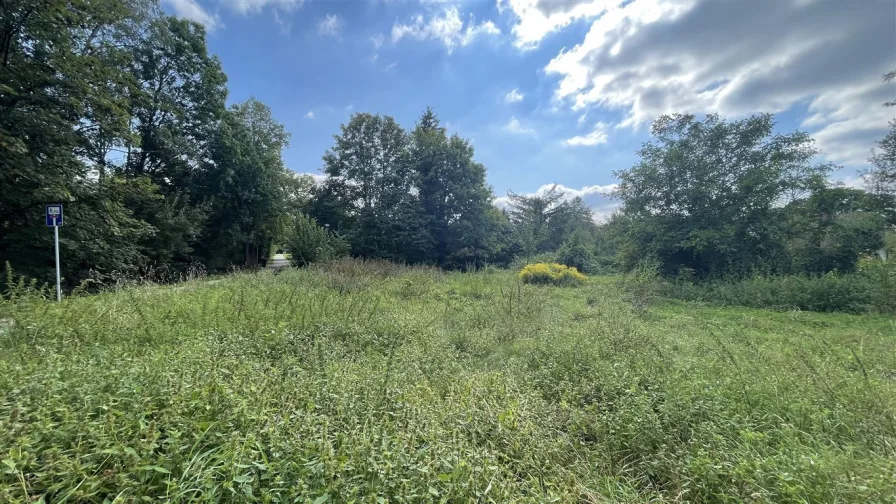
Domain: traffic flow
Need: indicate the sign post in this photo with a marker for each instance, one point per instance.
(54, 220)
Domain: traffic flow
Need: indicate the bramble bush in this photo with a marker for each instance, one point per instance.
(551, 274)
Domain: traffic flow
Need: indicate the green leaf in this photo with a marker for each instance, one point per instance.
(245, 478)
(323, 498)
(156, 468)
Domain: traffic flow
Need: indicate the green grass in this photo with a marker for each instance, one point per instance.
(368, 382)
(870, 290)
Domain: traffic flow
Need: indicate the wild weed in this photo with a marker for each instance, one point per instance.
(348, 382)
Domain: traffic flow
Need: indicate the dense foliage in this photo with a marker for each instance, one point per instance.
(714, 199)
(869, 289)
(415, 197)
(117, 111)
(370, 382)
(707, 195)
(309, 242)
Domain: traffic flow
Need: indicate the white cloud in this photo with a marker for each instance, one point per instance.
(538, 18)
(581, 120)
(597, 136)
(488, 28)
(191, 9)
(598, 197)
(446, 27)
(377, 40)
(850, 121)
(331, 25)
(390, 66)
(650, 57)
(854, 181)
(285, 26)
(279, 8)
(513, 96)
(319, 178)
(501, 202)
(514, 126)
(255, 6)
(310, 114)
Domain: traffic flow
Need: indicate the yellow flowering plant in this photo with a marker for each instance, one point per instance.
(551, 274)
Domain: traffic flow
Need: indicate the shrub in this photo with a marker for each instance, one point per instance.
(17, 287)
(642, 284)
(310, 243)
(576, 253)
(870, 289)
(552, 274)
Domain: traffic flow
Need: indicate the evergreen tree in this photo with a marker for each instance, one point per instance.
(531, 216)
(570, 218)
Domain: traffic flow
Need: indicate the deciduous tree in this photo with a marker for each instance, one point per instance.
(706, 195)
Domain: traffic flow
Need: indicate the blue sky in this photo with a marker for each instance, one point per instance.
(559, 91)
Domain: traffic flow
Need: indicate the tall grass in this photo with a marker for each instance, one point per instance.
(369, 382)
(872, 289)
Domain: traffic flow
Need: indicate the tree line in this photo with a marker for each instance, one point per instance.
(729, 199)
(118, 111)
(419, 196)
(709, 199)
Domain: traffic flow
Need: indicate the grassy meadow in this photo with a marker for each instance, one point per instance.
(369, 382)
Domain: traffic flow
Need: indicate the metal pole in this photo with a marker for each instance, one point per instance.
(58, 284)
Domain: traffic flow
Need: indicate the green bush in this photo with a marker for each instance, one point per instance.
(642, 284)
(310, 243)
(551, 274)
(872, 288)
(576, 253)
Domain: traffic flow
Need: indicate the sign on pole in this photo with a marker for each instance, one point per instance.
(54, 220)
(54, 215)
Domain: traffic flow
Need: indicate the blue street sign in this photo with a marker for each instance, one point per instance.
(54, 215)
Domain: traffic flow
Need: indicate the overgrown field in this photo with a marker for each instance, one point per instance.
(368, 382)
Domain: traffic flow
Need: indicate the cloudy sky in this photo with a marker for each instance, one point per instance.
(559, 91)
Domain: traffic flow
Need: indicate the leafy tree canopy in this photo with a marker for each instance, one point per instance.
(706, 194)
